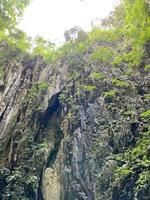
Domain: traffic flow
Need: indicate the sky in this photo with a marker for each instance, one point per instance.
(50, 18)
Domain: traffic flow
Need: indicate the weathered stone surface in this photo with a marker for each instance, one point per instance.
(60, 142)
(51, 184)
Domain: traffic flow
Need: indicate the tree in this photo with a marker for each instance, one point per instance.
(75, 33)
(10, 11)
(71, 34)
(115, 18)
(44, 48)
(82, 35)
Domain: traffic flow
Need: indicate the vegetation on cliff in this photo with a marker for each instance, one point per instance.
(107, 68)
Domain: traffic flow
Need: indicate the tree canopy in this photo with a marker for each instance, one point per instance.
(10, 11)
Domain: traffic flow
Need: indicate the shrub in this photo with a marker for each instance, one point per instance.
(119, 83)
(143, 180)
(109, 94)
(32, 182)
(89, 88)
(102, 54)
(62, 97)
(97, 35)
(96, 75)
(136, 160)
(36, 89)
(42, 86)
(147, 68)
(46, 49)
(133, 57)
(123, 172)
(81, 47)
(145, 114)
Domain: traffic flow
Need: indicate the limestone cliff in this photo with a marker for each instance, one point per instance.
(64, 125)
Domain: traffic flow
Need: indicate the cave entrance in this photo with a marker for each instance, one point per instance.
(53, 110)
(50, 132)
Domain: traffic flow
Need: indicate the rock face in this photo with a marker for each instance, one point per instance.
(62, 127)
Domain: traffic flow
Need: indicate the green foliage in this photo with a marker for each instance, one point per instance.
(97, 35)
(16, 175)
(45, 49)
(117, 59)
(1, 73)
(62, 97)
(33, 92)
(18, 40)
(102, 54)
(129, 113)
(96, 75)
(147, 96)
(147, 68)
(115, 18)
(21, 41)
(71, 34)
(82, 43)
(89, 88)
(133, 58)
(82, 36)
(65, 49)
(119, 83)
(14, 187)
(140, 152)
(136, 158)
(43, 145)
(145, 114)
(10, 37)
(133, 27)
(72, 47)
(110, 94)
(81, 47)
(10, 11)
(20, 185)
(137, 20)
(70, 116)
(36, 89)
(32, 182)
(42, 86)
(75, 34)
(73, 76)
(123, 172)
(143, 180)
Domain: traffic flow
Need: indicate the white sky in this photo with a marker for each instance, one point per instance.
(50, 18)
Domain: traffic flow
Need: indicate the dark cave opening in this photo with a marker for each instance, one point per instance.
(134, 128)
(53, 106)
(50, 121)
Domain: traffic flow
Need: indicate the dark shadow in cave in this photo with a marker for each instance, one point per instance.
(51, 118)
(53, 105)
(134, 128)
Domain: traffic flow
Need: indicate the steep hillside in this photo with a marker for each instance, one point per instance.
(75, 121)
